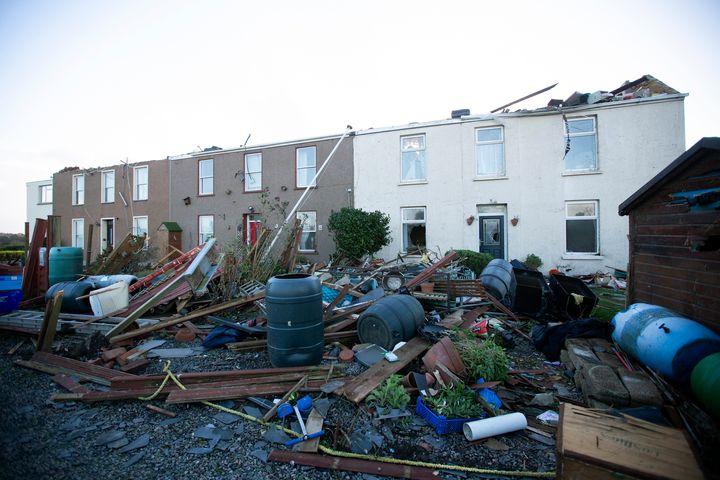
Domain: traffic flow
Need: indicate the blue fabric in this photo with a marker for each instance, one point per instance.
(222, 335)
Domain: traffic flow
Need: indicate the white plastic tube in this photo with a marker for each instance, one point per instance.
(489, 427)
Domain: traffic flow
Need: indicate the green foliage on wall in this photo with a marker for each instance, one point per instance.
(475, 261)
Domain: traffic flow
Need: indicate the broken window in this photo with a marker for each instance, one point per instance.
(581, 139)
(308, 220)
(305, 162)
(413, 229)
(412, 150)
(46, 193)
(581, 227)
(489, 152)
(253, 172)
(108, 186)
(78, 232)
(78, 190)
(206, 228)
(205, 177)
(140, 228)
(140, 183)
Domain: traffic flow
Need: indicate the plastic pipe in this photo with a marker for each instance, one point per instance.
(490, 427)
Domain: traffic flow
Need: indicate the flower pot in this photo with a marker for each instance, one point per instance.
(427, 287)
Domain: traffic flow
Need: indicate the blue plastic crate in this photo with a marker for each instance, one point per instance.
(441, 424)
(10, 282)
(10, 300)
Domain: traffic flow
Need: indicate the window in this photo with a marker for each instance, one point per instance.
(253, 172)
(412, 151)
(140, 183)
(45, 194)
(581, 227)
(78, 190)
(140, 228)
(78, 232)
(108, 186)
(205, 177)
(305, 163)
(308, 220)
(581, 146)
(206, 228)
(413, 228)
(489, 152)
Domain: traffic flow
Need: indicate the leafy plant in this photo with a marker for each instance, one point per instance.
(475, 261)
(358, 233)
(533, 261)
(484, 359)
(456, 401)
(390, 394)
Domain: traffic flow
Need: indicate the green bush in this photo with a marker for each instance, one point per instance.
(358, 233)
(533, 261)
(456, 401)
(475, 261)
(482, 359)
(390, 394)
(11, 255)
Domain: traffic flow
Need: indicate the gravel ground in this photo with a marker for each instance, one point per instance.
(41, 439)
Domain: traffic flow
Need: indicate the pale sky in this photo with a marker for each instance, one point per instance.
(93, 83)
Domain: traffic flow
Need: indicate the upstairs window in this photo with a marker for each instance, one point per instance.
(78, 188)
(308, 220)
(489, 152)
(413, 229)
(108, 186)
(306, 166)
(205, 177)
(581, 227)
(46, 193)
(253, 172)
(140, 183)
(412, 151)
(206, 228)
(581, 145)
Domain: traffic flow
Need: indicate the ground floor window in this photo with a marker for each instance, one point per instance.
(206, 228)
(308, 220)
(140, 228)
(78, 232)
(581, 227)
(413, 229)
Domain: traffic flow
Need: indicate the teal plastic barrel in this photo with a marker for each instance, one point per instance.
(391, 320)
(295, 334)
(705, 383)
(66, 264)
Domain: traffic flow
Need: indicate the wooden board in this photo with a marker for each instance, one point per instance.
(621, 444)
(313, 425)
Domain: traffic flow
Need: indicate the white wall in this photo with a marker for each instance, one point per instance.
(34, 209)
(636, 139)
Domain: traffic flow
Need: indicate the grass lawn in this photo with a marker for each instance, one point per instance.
(609, 303)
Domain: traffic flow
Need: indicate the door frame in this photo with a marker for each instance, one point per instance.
(500, 210)
(104, 245)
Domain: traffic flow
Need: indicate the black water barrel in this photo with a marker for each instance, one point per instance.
(499, 280)
(391, 320)
(72, 290)
(295, 334)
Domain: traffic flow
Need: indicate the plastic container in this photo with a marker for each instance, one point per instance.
(529, 291)
(66, 264)
(72, 290)
(664, 341)
(10, 282)
(441, 424)
(490, 427)
(295, 334)
(102, 281)
(563, 288)
(499, 280)
(705, 383)
(10, 300)
(391, 320)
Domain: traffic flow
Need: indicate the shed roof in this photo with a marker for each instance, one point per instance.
(702, 148)
(171, 226)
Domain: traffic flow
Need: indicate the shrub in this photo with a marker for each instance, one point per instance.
(482, 359)
(475, 261)
(358, 233)
(533, 261)
(390, 394)
(456, 401)
(8, 256)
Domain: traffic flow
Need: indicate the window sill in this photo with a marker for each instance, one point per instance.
(303, 188)
(582, 256)
(206, 195)
(417, 182)
(571, 173)
(105, 203)
(485, 179)
(252, 191)
(78, 204)
(140, 199)
(44, 203)
(308, 252)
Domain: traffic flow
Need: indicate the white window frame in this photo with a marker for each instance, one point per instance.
(308, 228)
(595, 217)
(569, 136)
(204, 236)
(78, 239)
(105, 243)
(420, 154)
(43, 191)
(140, 193)
(137, 231)
(107, 192)
(78, 189)
(480, 144)
(298, 168)
(255, 174)
(403, 223)
(211, 189)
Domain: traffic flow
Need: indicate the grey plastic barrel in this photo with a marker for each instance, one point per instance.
(102, 281)
(66, 264)
(498, 279)
(72, 290)
(390, 320)
(295, 334)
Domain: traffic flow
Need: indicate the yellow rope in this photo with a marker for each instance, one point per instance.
(337, 453)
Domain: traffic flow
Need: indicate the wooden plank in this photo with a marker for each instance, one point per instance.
(69, 384)
(49, 325)
(189, 380)
(30, 273)
(430, 271)
(270, 413)
(161, 411)
(340, 296)
(366, 382)
(80, 369)
(342, 324)
(313, 425)
(219, 394)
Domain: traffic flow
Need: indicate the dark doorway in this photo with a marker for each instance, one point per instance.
(492, 235)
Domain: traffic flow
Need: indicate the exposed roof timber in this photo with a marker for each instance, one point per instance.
(525, 97)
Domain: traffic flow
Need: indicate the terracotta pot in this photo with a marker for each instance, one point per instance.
(427, 287)
(185, 335)
(444, 352)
